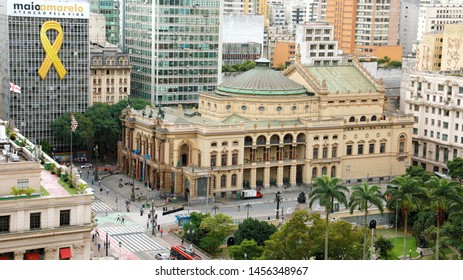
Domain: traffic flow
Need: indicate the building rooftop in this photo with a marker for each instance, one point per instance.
(261, 80)
(343, 78)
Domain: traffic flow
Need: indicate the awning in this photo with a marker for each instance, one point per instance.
(65, 253)
(32, 256)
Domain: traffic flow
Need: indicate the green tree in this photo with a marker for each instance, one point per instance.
(345, 241)
(292, 241)
(191, 231)
(82, 137)
(28, 192)
(363, 197)
(384, 246)
(217, 228)
(455, 168)
(253, 229)
(442, 193)
(394, 64)
(105, 127)
(46, 147)
(409, 195)
(246, 250)
(80, 188)
(325, 190)
(419, 172)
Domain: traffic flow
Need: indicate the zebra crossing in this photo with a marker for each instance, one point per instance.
(133, 238)
(99, 206)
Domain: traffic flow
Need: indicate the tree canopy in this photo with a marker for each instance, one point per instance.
(253, 229)
(455, 168)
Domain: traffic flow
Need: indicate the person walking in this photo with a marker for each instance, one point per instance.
(118, 218)
(99, 246)
(122, 220)
(107, 191)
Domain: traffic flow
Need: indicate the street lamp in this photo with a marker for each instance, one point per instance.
(278, 200)
(153, 217)
(132, 196)
(247, 206)
(190, 233)
(120, 250)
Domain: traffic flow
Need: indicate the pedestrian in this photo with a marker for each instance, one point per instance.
(149, 216)
(182, 241)
(118, 218)
(106, 211)
(99, 246)
(147, 224)
(107, 190)
(93, 237)
(161, 232)
(101, 190)
(239, 206)
(99, 183)
(116, 198)
(159, 227)
(97, 233)
(92, 182)
(122, 221)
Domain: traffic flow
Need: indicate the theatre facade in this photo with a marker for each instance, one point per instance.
(266, 128)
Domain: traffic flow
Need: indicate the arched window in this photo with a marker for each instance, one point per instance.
(233, 180)
(363, 118)
(223, 181)
(402, 140)
(323, 170)
(351, 119)
(314, 172)
(333, 171)
(373, 118)
(248, 141)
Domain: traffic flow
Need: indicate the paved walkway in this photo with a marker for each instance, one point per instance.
(50, 183)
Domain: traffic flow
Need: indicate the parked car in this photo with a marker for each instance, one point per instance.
(162, 256)
(85, 166)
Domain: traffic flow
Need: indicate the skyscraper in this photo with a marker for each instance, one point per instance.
(110, 9)
(45, 50)
(174, 48)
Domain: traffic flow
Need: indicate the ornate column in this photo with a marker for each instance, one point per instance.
(50, 253)
(280, 176)
(252, 182)
(305, 174)
(267, 177)
(292, 175)
(19, 255)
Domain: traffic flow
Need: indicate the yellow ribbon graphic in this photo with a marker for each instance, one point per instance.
(51, 51)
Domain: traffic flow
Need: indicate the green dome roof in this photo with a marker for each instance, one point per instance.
(261, 81)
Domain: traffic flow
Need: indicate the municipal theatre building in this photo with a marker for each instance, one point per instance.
(266, 128)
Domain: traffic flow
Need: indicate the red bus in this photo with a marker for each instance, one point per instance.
(183, 253)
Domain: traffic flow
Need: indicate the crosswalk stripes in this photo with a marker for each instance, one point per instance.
(99, 206)
(124, 230)
(137, 242)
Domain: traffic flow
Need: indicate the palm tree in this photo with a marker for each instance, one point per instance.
(442, 193)
(325, 190)
(363, 197)
(408, 196)
(16, 192)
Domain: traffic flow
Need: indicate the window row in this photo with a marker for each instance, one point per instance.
(35, 220)
(371, 148)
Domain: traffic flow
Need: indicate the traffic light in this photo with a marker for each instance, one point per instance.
(372, 224)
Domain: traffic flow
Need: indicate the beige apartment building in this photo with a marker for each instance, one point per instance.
(263, 129)
(441, 50)
(45, 226)
(109, 74)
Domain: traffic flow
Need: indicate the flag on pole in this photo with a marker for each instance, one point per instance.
(73, 123)
(15, 88)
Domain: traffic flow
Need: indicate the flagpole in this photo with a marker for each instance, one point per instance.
(71, 160)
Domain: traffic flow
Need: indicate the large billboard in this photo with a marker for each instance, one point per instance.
(53, 9)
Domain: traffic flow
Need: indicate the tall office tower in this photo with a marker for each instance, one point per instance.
(46, 52)
(435, 17)
(409, 12)
(110, 9)
(364, 25)
(174, 48)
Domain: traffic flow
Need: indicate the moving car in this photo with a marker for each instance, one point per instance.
(162, 256)
(87, 165)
